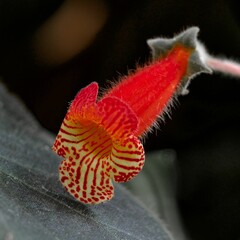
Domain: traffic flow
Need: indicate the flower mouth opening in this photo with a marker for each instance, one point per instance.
(91, 138)
(97, 141)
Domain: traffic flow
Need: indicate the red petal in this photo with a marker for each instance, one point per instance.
(117, 118)
(85, 97)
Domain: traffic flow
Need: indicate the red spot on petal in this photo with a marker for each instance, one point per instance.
(63, 179)
(76, 195)
(84, 194)
(78, 188)
(95, 199)
(92, 193)
(83, 200)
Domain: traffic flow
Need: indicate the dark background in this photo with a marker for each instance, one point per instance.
(204, 129)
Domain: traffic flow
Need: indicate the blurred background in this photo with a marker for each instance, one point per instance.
(51, 49)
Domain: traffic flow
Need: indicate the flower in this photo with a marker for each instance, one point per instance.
(98, 142)
(100, 139)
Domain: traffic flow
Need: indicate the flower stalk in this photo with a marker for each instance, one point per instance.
(224, 66)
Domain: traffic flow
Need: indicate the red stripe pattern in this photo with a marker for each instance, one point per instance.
(98, 143)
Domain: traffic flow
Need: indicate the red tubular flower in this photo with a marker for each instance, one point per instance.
(99, 139)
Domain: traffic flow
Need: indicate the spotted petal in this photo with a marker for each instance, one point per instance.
(87, 182)
(126, 160)
(83, 173)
